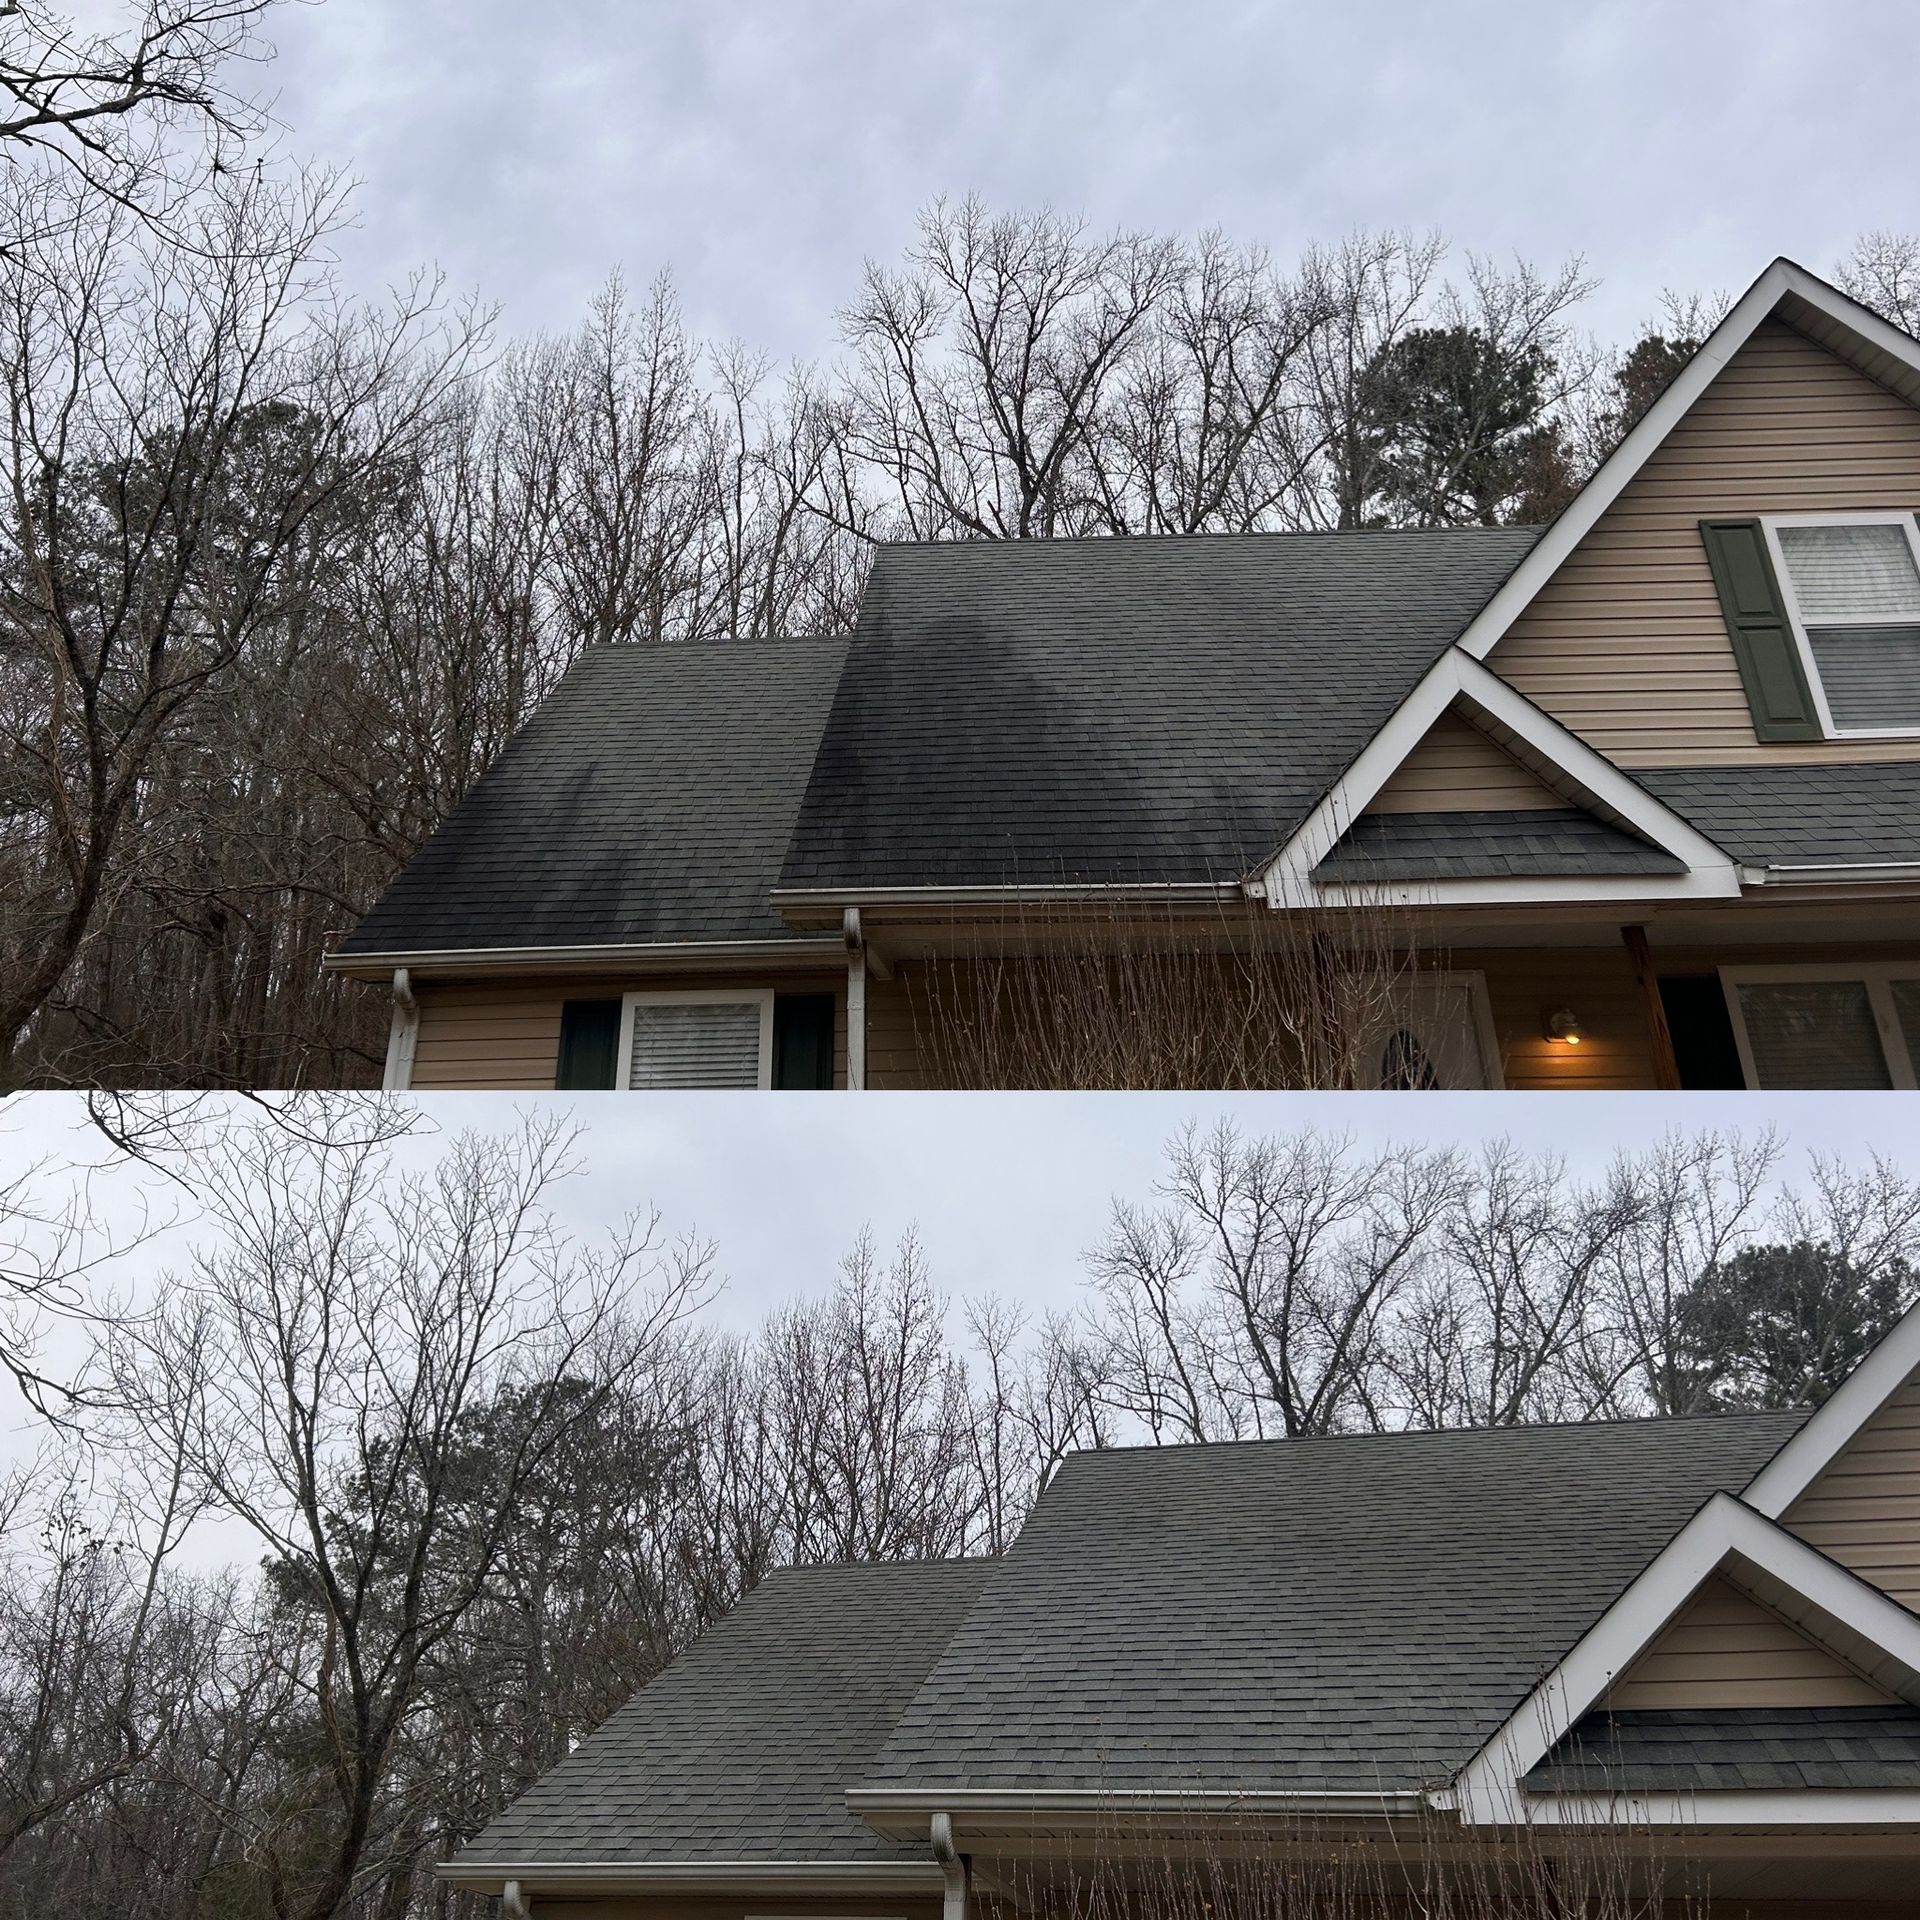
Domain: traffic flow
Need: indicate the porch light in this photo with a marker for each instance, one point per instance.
(1564, 1026)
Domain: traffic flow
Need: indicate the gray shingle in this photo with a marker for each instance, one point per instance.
(1342, 1614)
(650, 798)
(1723, 1749)
(1798, 815)
(1157, 710)
(742, 1749)
(1489, 844)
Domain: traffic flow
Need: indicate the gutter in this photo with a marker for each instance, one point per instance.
(827, 899)
(708, 1876)
(805, 949)
(1861, 872)
(879, 1802)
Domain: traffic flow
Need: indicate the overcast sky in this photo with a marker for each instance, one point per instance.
(761, 148)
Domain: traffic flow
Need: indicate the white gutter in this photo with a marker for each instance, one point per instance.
(761, 1876)
(1862, 871)
(818, 899)
(878, 1802)
(615, 956)
(402, 1034)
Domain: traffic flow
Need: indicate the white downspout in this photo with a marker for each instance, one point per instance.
(401, 1036)
(953, 1869)
(856, 1000)
(513, 1903)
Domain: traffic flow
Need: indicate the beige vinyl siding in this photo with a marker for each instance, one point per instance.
(1457, 769)
(1625, 643)
(1524, 986)
(1864, 1511)
(1725, 1650)
(505, 1035)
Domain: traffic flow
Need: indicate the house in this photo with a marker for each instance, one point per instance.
(1629, 801)
(1687, 1645)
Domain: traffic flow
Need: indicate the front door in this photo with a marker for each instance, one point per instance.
(1435, 1038)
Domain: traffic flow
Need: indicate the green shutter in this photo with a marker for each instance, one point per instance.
(1762, 635)
(589, 1043)
(803, 1040)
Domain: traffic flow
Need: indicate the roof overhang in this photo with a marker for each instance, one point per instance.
(601, 1877)
(634, 957)
(1853, 1619)
(1555, 753)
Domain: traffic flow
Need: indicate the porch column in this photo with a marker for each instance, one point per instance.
(1666, 1069)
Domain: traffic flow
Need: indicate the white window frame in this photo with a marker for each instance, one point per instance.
(1770, 525)
(761, 997)
(1877, 976)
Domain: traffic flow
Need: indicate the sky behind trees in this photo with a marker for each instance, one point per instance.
(763, 148)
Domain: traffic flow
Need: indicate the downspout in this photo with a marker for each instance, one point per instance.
(401, 1035)
(513, 1903)
(856, 1000)
(953, 1869)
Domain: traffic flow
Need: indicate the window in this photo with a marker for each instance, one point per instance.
(1851, 585)
(710, 1038)
(803, 1040)
(1838, 1026)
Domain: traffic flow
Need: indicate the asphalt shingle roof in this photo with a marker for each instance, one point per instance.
(1720, 1749)
(649, 798)
(742, 1749)
(1161, 710)
(1342, 1614)
(1489, 844)
(1795, 815)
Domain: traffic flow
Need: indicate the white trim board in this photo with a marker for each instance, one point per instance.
(1783, 280)
(1841, 1416)
(1854, 1620)
(1825, 1808)
(1457, 678)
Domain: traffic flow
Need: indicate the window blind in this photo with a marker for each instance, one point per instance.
(695, 1046)
(1813, 1034)
(1852, 573)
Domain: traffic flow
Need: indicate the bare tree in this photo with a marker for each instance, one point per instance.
(1256, 1297)
(321, 1364)
(128, 112)
(1882, 271)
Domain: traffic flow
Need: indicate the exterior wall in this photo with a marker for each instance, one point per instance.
(1626, 643)
(1456, 769)
(1725, 1650)
(505, 1035)
(1524, 985)
(1864, 1511)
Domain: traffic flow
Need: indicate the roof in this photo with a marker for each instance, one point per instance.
(1782, 816)
(1722, 1749)
(1155, 711)
(1489, 843)
(742, 1748)
(649, 798)
(1348, 1614)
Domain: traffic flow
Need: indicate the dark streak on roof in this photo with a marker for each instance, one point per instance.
(1160, 711)
(649, 798)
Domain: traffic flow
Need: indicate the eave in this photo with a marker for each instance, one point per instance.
(601, 1877)
(797, 951)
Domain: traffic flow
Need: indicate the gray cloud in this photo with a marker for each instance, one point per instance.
(761, 147)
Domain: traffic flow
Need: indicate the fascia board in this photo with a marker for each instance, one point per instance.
(1846, 1410)
(1724, 1533)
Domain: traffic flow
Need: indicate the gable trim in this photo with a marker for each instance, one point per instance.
(1802, 1807)
(1756, 1554)
(1456, 677)
(1838, 1421)
(1783, 280)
